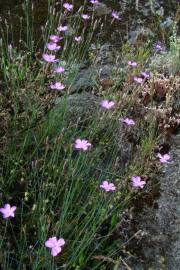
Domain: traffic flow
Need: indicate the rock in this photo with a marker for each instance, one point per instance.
(101, 9)
(105, 65)
(161, 224)
(83, 80)
(141, 34)
(78, 106)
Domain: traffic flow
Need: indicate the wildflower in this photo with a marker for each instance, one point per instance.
(82, 144)
(146, 75)
(94, 1)
(85, 17)
(62, 28)
(53, 46)
(57, 86)
(55, 38)
(55, 245)
(137, 182)
(68, 6)
(78, 39)
(128, 121)
(132, 63)
(8, 211)
(163, 158)
(108, 186)
(138, 80)
(107, 104)
(59, 70)
(116, 16)
(158, 47)
(49, 58)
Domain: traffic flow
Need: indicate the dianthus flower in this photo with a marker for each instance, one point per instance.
(137, 182)
(68, 6)
(85, 17)
(57, 86)
(59, 70)
(107, 186)
(82, 144)
(49, 58)
(107, 104)
(8, 211)
(128, 121)
(164, 158)
(55, 245)
(116, 16)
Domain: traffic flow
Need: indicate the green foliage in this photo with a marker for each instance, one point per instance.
(56, 189)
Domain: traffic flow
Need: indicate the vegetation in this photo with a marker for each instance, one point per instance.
(56, 186)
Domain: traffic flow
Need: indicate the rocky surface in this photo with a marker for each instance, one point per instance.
(160, 225)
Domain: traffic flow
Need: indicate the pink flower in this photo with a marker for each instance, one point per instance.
(68, 6)
(53, 46)
(59, 70)
(132, 63)
(57, 86)
(49, 58)
(163, 158)
(116, 16)
(158, 46)
(138, 79)
(94, 1)
(8, 211)
(107, 104)
(108, 186)
(85, 17)
(55, 38)
(78, 39)
(55, 245)
(62, 28)
(146, 75)
(137, 182)
(128, 121)
(82, 144)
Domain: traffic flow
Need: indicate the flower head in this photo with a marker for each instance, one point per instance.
(62, 28)
(49, 58)
(146, 75)
(55, 245)
(158, 47)
(68, 6)
(164, 158)
(82, 144)
(7, 211)
(107, 104)
(107, 186)
(78, 39)
(138, 80)
(94, 1)
(55, 38)
(132, 63)
(59, 70)
(137, 182)
(52, 46)
(128, 121)
(85, 17)
(57, 86)
(116, 16)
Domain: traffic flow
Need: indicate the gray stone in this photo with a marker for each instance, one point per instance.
(161, 241)
(101, 9)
